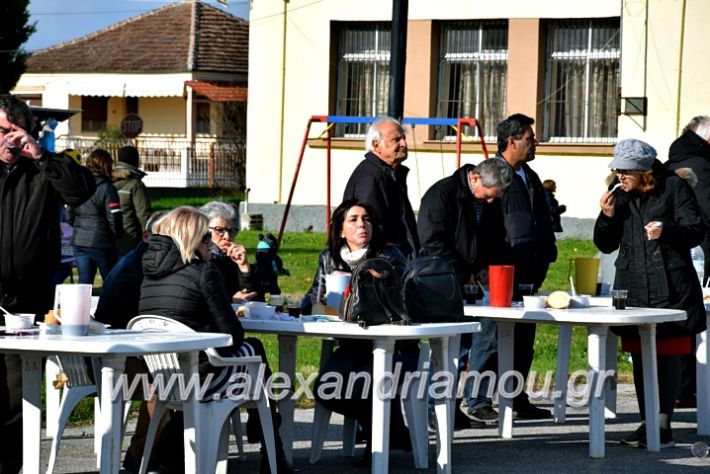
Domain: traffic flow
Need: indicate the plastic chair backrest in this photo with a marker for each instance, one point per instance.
(164, 366)
(76, 370)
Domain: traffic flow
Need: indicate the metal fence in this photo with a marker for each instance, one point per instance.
(177, 162)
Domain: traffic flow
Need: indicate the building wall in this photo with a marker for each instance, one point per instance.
(651, 67)
(579, 170)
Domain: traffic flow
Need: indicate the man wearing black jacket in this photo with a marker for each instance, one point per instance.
(529, 236)
(33, 185)
(692, 150)
(380, 180)
(460, 220)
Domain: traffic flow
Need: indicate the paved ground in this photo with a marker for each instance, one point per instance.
(537, 447)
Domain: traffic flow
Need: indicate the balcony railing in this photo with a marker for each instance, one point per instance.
(177, 162)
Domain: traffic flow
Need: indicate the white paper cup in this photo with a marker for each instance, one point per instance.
(534, 302)
(19, 321)
(259, 310)
(335, 285)
(579, 301)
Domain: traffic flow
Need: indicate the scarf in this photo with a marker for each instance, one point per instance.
(352, 258)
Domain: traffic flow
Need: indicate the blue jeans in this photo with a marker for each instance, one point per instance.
(483, 357)
(90, 258)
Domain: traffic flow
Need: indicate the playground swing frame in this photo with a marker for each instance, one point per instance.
(458, 123)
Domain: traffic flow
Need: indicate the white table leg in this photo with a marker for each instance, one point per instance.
(287, 365)
(444, 358)
(382, 364)
(650, 385)
(612, 343)
(192, 424)
(506, 341)
(564, 340)
(51, 396)
(31, 412)
(597, 364)
(702, 355)
(111, 413)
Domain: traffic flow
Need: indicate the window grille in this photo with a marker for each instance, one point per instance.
(362, 74)
(473, 73)
(582, 81)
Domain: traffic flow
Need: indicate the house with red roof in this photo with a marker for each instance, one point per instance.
(181, 68)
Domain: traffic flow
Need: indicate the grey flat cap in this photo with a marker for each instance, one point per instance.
(632, 154)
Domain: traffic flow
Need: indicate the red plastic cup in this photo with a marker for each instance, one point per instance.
(500, 282)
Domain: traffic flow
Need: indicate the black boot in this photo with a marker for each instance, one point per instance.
(282, 465)
(253, 426)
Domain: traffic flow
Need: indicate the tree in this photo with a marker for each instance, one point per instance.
(14, 32)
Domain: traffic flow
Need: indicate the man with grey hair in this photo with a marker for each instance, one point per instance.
(692, 150)
(381, 181)
(460, 220)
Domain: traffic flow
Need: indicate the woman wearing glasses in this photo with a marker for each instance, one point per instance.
(652, 217)
(240, 278)
(181, 283)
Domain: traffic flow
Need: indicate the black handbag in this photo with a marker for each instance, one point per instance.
(373, 295)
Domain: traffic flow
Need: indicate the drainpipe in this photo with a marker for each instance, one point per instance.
(283, 100)
(680, 68)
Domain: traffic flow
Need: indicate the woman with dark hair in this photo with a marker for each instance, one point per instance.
(652, 217)
(97, 223)
(181, 283)
(354, 237)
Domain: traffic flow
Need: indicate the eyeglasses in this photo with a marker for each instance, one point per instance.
(207, 238)
(625, 172)
(224, 230)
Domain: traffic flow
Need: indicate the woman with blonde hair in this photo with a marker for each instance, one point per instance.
(181, 283)
(97, 223)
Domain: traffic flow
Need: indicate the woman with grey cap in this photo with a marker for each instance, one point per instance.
(652, 217)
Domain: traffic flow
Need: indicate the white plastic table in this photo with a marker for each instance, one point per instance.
(113, 348)
(444, 342)
(598, 320)
(702, 371)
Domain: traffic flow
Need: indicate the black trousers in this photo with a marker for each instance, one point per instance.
(10, 413)
(668, 383)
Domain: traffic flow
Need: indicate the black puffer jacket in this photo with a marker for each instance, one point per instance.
(191, 293)
(385, 189)
(98, 222)
(447, 226)
(31, 195)
(528, 228)
(658, 273)
(691, 151)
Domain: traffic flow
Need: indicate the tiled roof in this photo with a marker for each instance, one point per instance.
(218, 91)
(178, 37)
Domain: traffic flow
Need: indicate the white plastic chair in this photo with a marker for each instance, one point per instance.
(78, 386)
(212, 440)
(415, 410)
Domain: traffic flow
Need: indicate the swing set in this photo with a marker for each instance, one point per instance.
(330, 120)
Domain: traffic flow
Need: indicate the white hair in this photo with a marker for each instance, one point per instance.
(219, 209)
(703, 128)
(375, 134)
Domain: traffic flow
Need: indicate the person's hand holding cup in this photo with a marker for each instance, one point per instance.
(654, 230)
